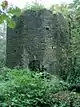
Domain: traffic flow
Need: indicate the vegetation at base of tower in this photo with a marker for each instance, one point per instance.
(24, 88)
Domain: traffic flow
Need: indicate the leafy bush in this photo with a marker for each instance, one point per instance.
(74, 76)
(22, 88)
(66, 99)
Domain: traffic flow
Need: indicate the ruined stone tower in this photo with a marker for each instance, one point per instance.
(38, 35)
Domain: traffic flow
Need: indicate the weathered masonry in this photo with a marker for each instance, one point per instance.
(38, 35)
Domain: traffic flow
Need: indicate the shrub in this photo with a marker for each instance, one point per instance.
(22, 88)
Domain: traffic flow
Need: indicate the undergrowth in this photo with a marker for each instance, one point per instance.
(23, 88)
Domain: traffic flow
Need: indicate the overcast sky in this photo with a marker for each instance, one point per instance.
(47, 3)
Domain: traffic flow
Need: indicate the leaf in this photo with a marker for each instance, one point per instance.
(3, 17)
(11, 23)
(15, 11)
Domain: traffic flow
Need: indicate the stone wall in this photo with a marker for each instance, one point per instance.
(14, 46)
(38, 35)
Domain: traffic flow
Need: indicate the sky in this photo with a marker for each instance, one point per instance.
(46, 3)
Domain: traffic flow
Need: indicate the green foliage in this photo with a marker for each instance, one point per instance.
(71, 13)
(74, 75)
(35, 7)
(7, 12)
(67, 99)
(11, 23)
(23, 88)
(15, 11)
(63, 8)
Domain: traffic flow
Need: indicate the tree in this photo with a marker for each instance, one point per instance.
(7, 12)
(71, 13)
